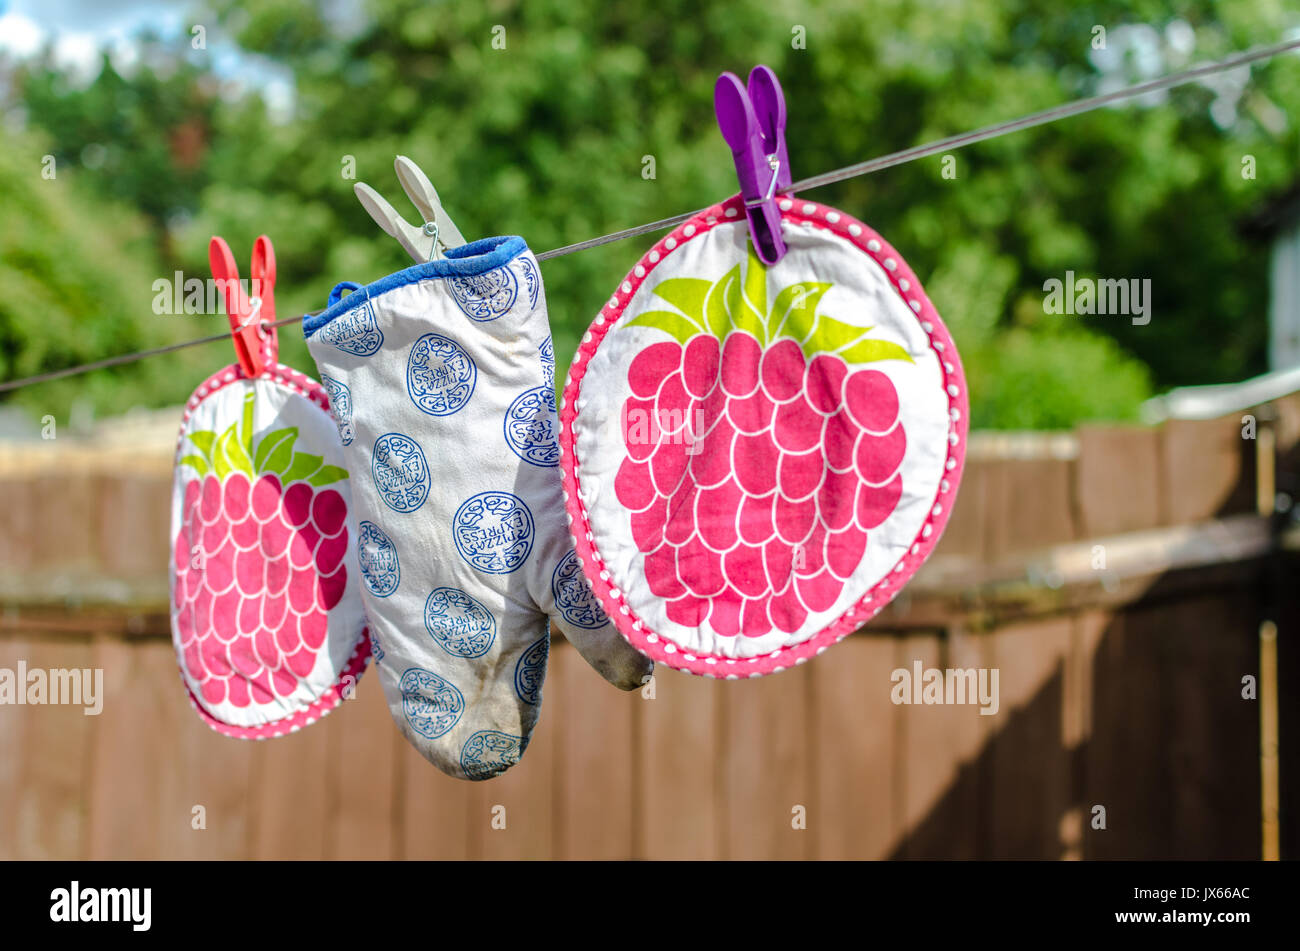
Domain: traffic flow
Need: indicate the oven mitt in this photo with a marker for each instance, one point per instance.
(267, 621)
(443, 374)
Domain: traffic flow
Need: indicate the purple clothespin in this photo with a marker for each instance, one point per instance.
(753, 123)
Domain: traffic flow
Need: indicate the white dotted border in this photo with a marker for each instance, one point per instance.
(303, 385)
(353, 667)
(875, 600)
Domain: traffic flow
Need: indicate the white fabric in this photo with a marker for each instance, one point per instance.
(861, 295)
(277, 407)
(448, 381)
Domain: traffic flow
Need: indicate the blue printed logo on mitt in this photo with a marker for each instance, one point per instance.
(356, 332)
(546, 350)
(493, 532)
(532, 280)
(530, 671)
(341, 405)
(400, 471)
(460, 624)
(530, 427)
(485, 296)
(432, 705)
(489, 753)
(378, 560)
(573, 595)
(440, 375)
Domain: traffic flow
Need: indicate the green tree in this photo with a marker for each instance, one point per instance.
(143, 138)
(76, 276)
(536, 119)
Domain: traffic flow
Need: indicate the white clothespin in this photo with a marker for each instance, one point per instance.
(422, 242)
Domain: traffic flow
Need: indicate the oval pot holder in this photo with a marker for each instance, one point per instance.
(756, 459)
(266, 619)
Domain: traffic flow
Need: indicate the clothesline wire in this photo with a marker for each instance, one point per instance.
(1042, 117)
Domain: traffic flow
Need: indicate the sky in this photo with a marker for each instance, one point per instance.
(78, 29)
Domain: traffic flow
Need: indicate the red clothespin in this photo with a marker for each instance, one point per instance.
(252, 318)
(753, 123)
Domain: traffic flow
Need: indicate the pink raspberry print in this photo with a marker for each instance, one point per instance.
(259, 563)
(761, 451)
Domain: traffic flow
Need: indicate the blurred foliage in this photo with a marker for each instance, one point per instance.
(76, 271)
(547, 137)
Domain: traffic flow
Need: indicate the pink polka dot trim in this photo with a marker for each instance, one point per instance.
(635, 629)
(299, 383)
(339, 691)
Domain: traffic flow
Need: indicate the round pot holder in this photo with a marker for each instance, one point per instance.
(756, 459)
(266, 618)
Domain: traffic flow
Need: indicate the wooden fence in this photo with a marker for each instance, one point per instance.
(1120, 688)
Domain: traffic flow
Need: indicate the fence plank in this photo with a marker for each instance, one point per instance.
(292, 789)
(963, 733)
(63, 514)
(1079, 712)
(938, 748)
(767, 766)
(44, 807)
(196, 767)
(435, 808)
(595, 752)
(966, 533)
(1031, 767)
(212, 771)
(678, 746)
(18, 526)
(362, 759)
(13, 751)
(132, 518)
(858, 813)
(1123, 761)
(1118, 479)
(1030, 505)
(131, 810)
(1208, 469)
(1210, 753)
